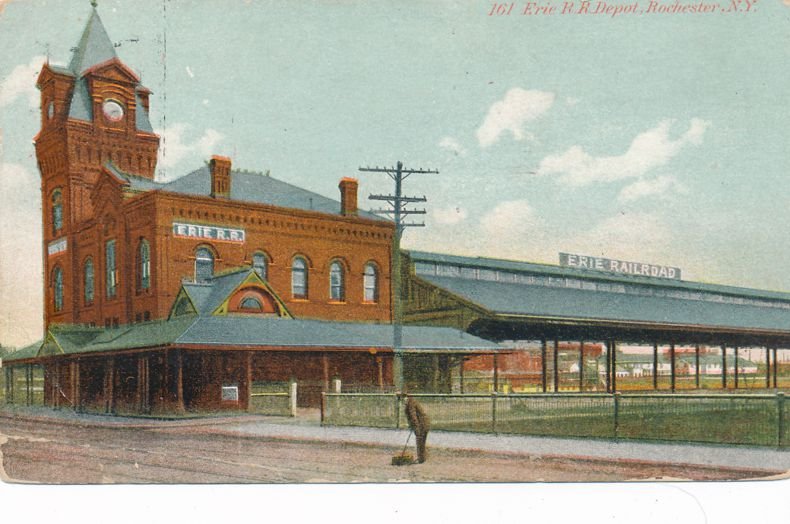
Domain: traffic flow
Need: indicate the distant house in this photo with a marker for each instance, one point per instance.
(639, 365)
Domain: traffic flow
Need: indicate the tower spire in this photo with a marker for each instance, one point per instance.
(94, 47)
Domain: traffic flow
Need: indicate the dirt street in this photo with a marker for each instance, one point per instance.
(54, 453)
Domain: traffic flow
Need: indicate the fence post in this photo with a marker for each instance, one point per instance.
(292, 392)
(397, 409)
(323, 406)
(780, 406)
(493, 412)
(616, 414)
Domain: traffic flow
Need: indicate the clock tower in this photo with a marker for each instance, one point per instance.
(93, 113)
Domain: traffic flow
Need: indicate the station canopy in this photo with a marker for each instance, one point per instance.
(553, 301)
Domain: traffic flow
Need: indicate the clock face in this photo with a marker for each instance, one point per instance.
(51, 110)
(113, 111)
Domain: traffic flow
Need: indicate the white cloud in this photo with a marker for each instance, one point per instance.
(510, 216)
(451, 144)
(175, 146)
(511, 113)
(512, 229)
(21, 83)
(651, 149)
(659, 186)
(630, 236)
(449, 215)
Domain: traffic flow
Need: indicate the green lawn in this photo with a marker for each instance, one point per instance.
(726, 420)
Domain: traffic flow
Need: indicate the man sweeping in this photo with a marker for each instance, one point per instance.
(419, 423)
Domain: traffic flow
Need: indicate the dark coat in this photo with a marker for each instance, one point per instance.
(418, 419)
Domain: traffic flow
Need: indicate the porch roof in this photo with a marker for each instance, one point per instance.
(251, 332)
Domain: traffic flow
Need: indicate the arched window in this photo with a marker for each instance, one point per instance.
(259, 264)
(204, 264)
(87, 281)
(111, 272)
(143, 266)
(371, 283)
(57, 211)
(299, 278)
(251, 304)
(57, 284)
(337, 288)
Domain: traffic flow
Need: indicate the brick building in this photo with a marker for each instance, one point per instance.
(166, 297)
(118, 243)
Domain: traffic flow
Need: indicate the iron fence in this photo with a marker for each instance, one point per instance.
(752, 419)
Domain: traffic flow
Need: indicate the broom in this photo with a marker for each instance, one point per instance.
(404, 458)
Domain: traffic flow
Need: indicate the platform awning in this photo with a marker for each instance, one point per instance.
(252, 333)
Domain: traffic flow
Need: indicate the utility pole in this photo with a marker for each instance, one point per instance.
(398, 210)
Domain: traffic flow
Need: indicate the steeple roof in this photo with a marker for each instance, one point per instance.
(95, 46)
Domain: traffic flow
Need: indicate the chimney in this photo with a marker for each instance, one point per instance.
(220, 176)
(348, 196)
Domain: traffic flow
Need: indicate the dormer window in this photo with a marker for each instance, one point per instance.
(251, 304)
(253, 300)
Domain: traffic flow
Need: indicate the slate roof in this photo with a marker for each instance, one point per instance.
(302, 333)
(142, 122)
(258, 332)
(542, 301)
(207, 296)
(246, 186)
(261, 189)
(589, 274)
(94, 48)
(81, 107)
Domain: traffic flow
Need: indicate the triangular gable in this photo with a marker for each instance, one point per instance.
(107, 190)
(48, 72)
(113, 69)
(253, 279)
(182, 305)
(50, 347)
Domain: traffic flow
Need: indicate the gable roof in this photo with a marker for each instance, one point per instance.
(520, 267)
(579, 304)
(208, 297)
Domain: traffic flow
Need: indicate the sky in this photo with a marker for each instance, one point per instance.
(651, 137)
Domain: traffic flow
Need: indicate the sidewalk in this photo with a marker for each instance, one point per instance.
(733, 457)
(307, 428)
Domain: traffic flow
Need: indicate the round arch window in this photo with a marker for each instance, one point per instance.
(251, 304)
